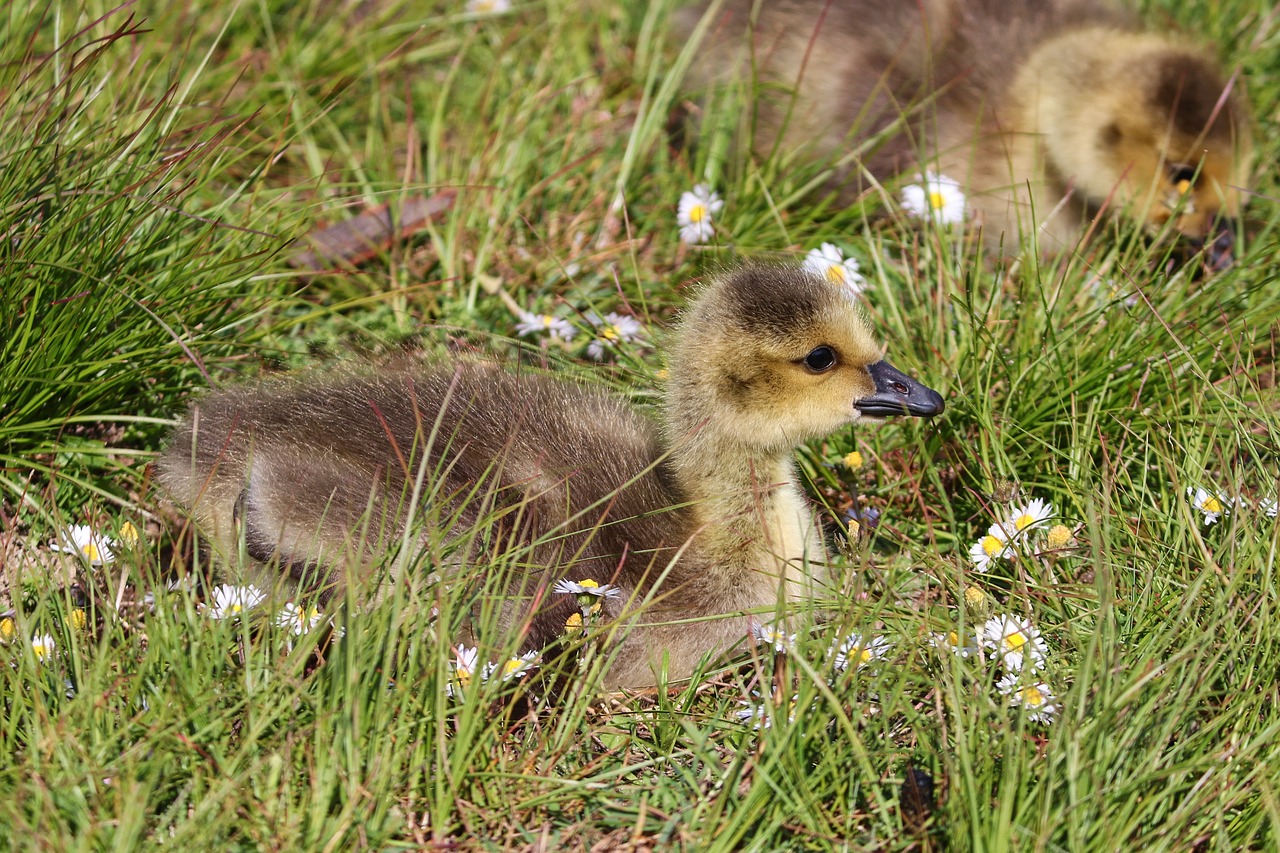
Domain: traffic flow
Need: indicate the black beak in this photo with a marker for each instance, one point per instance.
(898, 394)
(1220, 253)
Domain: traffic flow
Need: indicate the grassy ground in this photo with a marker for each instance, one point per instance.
(156, 162)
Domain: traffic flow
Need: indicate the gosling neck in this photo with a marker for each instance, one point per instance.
(747, 503)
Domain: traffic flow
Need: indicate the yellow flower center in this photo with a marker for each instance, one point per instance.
(937, 200)
(90, 550)
(304, 617)
(697, 213)
(8, 629)
(610, 333)
(464, 675)
(835, 273)
(864, 656)
(662, 374)
(547, 321)
(854, 527)
(991, 545)
(1212, 504)
(1058, 536)
(235, 608)
(40, 649)
(953, 639)
(973, 596)
(513, 666)
(853, 460)
(1032, 696)
(128, 532)
(574, 622)
(1015, 641)
(1024, 521)
(78, 619)
(588, 583)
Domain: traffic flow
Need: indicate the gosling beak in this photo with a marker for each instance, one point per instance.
(898, 394)
(1220, 252)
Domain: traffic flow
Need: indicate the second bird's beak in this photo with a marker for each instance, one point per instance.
(1221, 252)
(898, 394)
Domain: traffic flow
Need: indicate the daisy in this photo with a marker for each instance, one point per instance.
(230, 601)
(1021, 518)
(831, 264)
(939, 198)
(1214, 506)
(761, 714)
(488, 7)
(853, 460)
(694, 213)
(463, 668)
(1015, 641)
(589, 593)
(852, 649)
(43, 646)
(297, 619)
(611, 330)
(1036, 699)
(558, 328)
(80, 539)
(781, 641)
(1059, 536)
(516, 667)
(8, 629)
(1268, 505)
(993, 546)
(951, 641)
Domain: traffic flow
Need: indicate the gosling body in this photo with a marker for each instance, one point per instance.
(1046, 111)
(696, 516)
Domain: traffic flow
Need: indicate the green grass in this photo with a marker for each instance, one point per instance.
(156, 162)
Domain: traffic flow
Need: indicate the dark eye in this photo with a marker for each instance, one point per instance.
(1179, 172)
(821, 359)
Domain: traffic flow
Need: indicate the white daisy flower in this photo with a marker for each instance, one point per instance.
(1268, 505)
(1036, 698)
(781, 641)
(44, 647)
(230, 601)
(938, 198)
(463, 668)
(586, 587)
(853, 650)
(297, 619)
(488, 7)
(951, 641)
(611, 330)
(1015, 641)
(694, 213)
(558, 328)
(831, 264)
(761, 714)
(1021, 518)
(94, 547)
(994, 546)
(1214, 506)
(516, 667)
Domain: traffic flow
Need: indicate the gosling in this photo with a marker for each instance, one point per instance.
(698, 517)
(1045, 111)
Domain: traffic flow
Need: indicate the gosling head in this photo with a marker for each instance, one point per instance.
(1156, 129)
(767, 358)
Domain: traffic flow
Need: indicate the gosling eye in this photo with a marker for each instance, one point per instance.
(1181, 173)
(820, 359)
